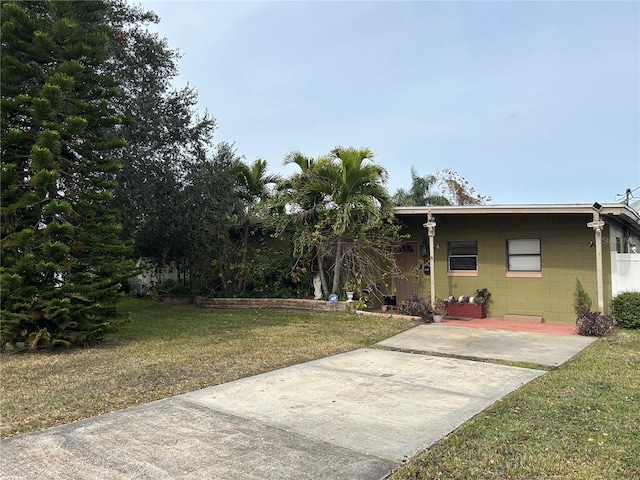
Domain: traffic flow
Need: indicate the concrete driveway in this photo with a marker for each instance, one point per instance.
(357, 415)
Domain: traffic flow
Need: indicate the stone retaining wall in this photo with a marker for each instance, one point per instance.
(276, 303)
(271, 303)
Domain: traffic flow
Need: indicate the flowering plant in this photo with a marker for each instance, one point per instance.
(439, 308)
(481, 298)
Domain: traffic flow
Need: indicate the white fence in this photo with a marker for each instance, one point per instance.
(153, 275)
(625, 272)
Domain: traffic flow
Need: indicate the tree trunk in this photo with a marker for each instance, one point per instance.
(337, 267)
(323, 275)
(242, 278)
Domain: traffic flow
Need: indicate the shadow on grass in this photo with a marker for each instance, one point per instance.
(151, 320)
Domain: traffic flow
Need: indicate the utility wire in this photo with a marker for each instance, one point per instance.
(627, 195)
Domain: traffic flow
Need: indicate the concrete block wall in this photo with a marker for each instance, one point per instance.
(565, 256)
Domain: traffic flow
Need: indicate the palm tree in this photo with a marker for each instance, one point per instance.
(334, 199)
(420, 194)
(356, 188)
(255, 182)
(308, 204)
(296, 157)
(301, 186)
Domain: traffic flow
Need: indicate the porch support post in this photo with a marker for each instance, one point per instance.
(431, 228)
(598, 233)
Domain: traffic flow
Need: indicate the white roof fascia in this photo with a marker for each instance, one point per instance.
(626, 213)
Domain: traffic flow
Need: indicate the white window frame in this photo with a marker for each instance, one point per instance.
(524, 255)
(462, 244)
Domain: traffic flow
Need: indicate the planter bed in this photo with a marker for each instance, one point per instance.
(466, 310)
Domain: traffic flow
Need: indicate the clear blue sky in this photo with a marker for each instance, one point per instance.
(531, 102)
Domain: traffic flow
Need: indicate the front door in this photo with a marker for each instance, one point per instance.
(407, 258)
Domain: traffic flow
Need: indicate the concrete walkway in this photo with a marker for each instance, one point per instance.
(356, 415)
(515, 325)
(482, 343)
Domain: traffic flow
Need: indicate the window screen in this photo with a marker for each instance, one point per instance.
(524, 255)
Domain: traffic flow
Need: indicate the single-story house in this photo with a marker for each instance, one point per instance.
(527, 256)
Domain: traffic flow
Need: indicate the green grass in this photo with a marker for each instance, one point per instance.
(581, 421)
(168, 349)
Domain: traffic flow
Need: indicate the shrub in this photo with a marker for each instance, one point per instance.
(418, 306)
(594, 324)
(271, 277)
(626, 309)
(171, 286)
(581, 301)
(483, 297)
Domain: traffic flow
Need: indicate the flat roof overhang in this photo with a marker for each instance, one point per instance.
(621, 212)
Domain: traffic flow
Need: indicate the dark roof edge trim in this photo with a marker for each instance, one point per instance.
(613, 209)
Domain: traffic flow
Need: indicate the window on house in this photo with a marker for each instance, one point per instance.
(463, 256)
(524, 255)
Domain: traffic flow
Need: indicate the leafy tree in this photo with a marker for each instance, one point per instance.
(62, 257)
(457, 190)
(178, 194)
(199, 229)
(213, 216)
(421, 192)
(165, 136)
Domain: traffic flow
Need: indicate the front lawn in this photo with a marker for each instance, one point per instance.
(168, 349)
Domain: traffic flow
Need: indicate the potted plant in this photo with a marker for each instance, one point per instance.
(350, 288)
(439, 309)
(389, 300)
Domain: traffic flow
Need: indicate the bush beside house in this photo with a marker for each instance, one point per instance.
(417, 306)
(589, 323)
(626, 309)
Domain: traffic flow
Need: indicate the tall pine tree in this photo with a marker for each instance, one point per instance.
(62, 259)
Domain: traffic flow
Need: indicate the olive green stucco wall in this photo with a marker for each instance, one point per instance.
(565, 255)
